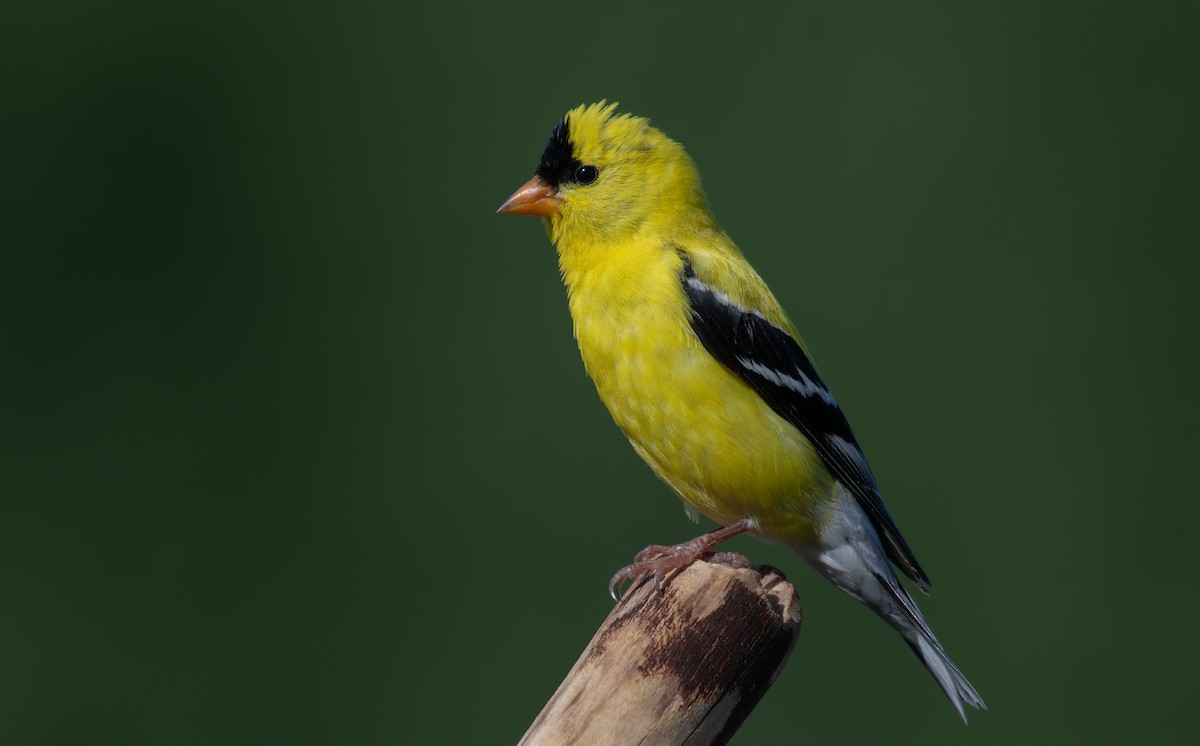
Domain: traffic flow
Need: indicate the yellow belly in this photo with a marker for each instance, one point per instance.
(702, 429)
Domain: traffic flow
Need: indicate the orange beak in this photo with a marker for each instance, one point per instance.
(534, 197)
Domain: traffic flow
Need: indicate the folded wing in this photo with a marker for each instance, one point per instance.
(774, 365)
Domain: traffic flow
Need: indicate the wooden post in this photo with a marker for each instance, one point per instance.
(684, 665)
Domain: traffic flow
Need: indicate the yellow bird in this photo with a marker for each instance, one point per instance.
(704, 373)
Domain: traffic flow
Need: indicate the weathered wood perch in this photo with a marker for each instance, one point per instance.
(682, 666)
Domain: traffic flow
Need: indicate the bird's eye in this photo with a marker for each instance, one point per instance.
(586, 175)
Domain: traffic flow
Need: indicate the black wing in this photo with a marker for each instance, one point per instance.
(772, 363)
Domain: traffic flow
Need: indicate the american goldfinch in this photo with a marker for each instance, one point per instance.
(704, 373)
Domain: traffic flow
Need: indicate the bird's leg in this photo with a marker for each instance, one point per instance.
(660, 562)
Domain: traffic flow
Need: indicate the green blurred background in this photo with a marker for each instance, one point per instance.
(297, 447)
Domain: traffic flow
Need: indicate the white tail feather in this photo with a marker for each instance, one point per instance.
(958, 690)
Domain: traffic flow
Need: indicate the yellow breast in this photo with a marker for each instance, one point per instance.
(703, 430)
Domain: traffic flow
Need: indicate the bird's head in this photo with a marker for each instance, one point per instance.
(603, 176)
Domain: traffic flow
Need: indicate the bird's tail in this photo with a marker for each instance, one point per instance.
(925, 644)
(852, 558)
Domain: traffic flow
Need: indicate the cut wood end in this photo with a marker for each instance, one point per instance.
(686, 662)
(706, 583)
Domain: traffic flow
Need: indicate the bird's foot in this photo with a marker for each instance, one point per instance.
(661, 562)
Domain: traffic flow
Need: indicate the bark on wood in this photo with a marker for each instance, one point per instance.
(684, 665)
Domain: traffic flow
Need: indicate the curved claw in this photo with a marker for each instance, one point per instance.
(614, 585)
(634, 574)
